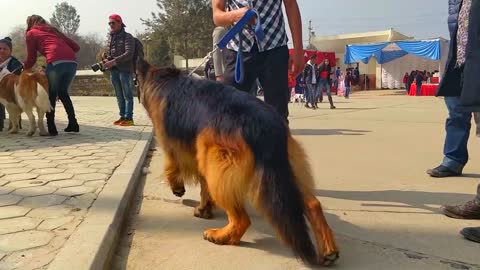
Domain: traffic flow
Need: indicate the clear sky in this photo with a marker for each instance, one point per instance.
(418, 18)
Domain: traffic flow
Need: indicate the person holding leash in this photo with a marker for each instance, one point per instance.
(267, 60)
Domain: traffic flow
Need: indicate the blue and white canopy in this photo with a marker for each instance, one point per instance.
(386, 52)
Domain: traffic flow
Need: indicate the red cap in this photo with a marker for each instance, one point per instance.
(116, 17)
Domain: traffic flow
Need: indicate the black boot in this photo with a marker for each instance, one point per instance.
(72, 126)
(52, 129)
(331, 102)
(72, 121)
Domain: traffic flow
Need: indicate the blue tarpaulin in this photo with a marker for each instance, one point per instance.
(385, 52)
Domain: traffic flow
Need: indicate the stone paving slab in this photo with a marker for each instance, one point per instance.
(48, 184)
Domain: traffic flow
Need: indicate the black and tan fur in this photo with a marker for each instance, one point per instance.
(239, 149)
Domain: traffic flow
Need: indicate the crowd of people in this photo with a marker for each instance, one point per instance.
(419, 77)
(316, 79)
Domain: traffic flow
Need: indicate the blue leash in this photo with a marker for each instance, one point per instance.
(236, 30)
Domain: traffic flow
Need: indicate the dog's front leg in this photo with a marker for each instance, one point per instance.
(12, 116)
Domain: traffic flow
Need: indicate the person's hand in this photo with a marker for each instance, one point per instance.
(239, 13)
(109, 64)
(297, 61)
(219, 78)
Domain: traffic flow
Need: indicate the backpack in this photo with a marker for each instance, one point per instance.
(138, 52)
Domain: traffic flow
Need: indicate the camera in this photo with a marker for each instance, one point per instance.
(100, 65)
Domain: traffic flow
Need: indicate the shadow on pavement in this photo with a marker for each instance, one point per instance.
(326, 132)
(411, 199)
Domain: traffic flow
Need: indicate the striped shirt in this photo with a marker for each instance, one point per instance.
(273, 24)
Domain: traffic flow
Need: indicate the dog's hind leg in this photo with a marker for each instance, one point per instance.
(41, 126)
(323, 234)
(31, 119)
(204, 208)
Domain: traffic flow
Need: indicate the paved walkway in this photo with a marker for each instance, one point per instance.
(369, 158)
(47, 184)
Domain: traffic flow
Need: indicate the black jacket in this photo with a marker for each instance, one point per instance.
(308, 72)
(121, 47)
(15, 65)
(452, 84)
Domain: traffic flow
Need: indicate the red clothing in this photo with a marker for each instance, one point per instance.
(51, 44)
(324, 74)
(405, 79)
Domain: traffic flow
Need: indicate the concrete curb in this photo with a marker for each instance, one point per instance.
(92, 244)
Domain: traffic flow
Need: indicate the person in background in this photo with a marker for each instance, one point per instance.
(310, 77)
(11, 64)
(411, 79)
(218, 33)
(405, 81)
(60, 52)
(209, 71)
(338, 73)
(120, 54)
(324, 72)
(348, 84)
(268, 60)
(461, 88)
(356, 75)
(367, 82)
(419, 82)
(341, 91)
(300, 86)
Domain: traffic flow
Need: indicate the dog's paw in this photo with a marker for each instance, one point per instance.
(205, 213)
(178, 191)
(330, 259)
(30, 133)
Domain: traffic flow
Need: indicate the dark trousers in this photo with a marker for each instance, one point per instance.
(419, 88)
(271, 69)
(60, 77)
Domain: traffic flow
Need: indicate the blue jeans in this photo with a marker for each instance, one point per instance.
(123, 85)
(324, 83)
(60, 76)
(312, 91)
(457, 127)
(419, 88)
(347, 91)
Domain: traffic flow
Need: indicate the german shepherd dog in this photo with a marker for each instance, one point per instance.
(237, 148)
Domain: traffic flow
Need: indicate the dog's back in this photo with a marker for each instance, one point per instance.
(32, 91)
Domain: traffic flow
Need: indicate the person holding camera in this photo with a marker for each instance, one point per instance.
(60, 53)
(120, 61)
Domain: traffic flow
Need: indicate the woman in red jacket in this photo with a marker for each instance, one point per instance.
(59, 50)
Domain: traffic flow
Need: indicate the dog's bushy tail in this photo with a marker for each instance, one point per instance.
(280, 199)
